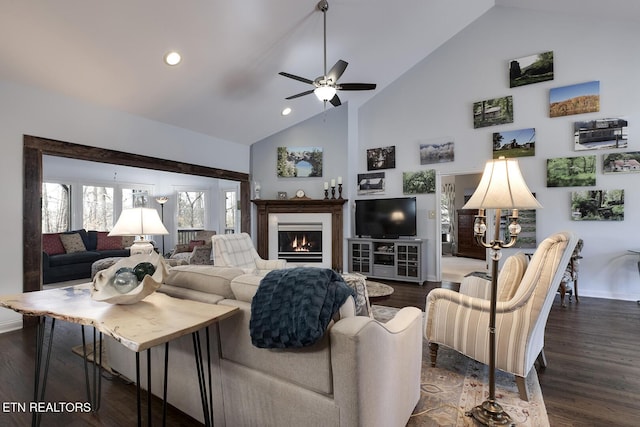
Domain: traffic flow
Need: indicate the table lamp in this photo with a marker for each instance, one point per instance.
(501, 187)
(139, 222)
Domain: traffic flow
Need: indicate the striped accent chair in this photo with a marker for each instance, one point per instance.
(461, 322)
(236, 250)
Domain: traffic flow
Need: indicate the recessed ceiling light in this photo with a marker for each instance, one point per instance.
(172, 58)
(286, 111)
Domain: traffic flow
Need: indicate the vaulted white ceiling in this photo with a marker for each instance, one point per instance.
(110, 52)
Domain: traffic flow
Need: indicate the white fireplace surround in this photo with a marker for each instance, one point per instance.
(276, 219)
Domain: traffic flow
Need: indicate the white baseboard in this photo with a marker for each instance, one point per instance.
(10, 326)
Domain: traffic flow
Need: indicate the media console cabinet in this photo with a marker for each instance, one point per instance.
(394, 259)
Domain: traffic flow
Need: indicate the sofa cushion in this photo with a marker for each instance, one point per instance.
(51, 244)
(106, 242)
(72, 243)
(74, 258)
(204, 278)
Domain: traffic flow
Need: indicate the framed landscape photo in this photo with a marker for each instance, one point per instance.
(491, 112)
(514, 143)
(600, 134)
(437, 151)
(531, 69)
(419, 182)
(628, 162)
(299, 162)
(371, 183)
(597, 205)
(575, 99)
(571, 171)
(381, 158)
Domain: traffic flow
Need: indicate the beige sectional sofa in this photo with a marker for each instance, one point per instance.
(361, 373)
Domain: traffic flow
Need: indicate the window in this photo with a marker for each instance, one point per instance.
(230, 211)
(191, 210)
(56, 207)
(97, 208)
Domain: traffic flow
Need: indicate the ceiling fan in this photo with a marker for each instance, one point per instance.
(326, 86)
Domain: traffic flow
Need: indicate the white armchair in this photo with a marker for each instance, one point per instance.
(461, 322)
(236, 250)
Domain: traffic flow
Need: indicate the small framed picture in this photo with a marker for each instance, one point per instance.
(282, 195)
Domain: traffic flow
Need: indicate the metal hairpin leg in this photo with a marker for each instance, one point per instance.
(38, 394)
(149, 394)
(207, 401)
(93, 398)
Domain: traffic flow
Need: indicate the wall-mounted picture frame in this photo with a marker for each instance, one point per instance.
(299, 162)
(600, 134)
(531, 69)
(514, 143)
(282, 195)
(492, 112)
(628, 162)
(437, 151)
(421, 182)
(527, 221)
(381, 158)
(571, 171)
(574, 99)
(371, 183)
(597, 205)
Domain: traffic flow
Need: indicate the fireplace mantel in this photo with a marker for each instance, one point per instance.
(332, 206)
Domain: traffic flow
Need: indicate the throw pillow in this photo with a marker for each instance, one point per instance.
(106, 242)
(51, 244)
(194, 243)
(72, 243)
(358, 283)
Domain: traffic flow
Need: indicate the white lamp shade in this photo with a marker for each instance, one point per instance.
(137, 222)
(325, 93)
(502, 187)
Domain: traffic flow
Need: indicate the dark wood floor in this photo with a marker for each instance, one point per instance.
(592, 348)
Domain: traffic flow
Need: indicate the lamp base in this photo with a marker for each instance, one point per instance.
(490, 413)
(141, 247)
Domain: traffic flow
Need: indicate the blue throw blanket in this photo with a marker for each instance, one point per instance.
(293, 307)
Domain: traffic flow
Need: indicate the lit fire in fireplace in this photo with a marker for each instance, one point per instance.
(300, 244)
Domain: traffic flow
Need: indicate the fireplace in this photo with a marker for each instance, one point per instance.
(300, 242)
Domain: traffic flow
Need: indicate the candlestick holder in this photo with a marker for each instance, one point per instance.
(333, 192)
(326, 194)
(339, 191)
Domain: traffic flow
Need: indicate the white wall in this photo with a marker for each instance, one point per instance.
(30, 111)
(435, 98)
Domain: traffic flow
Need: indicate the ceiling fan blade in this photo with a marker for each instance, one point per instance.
(300, 79)
(335, 101)
(357, 86)
(336, 71)
(300, 94)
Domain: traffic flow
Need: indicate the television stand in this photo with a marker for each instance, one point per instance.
(403, 259)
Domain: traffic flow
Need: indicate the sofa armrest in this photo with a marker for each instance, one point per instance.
(270, 264)
(360, 346)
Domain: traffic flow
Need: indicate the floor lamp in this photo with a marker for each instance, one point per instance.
(162, 200)
(501, 187)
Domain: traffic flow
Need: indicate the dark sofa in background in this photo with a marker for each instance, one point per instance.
(72, 261)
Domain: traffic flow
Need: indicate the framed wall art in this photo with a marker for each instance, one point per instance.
(419, 182)
(574, 99)
(491, 112)
(437, 151)
(531, 69)
(514, 143)
(371, 183)
(571, 171)
(299, 162)
(600, 134)
(381, 158)
(628, 162)
(597, 205)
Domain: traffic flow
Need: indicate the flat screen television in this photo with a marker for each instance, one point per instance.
(386, 218)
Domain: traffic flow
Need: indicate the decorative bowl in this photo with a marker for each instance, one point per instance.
(104, 290)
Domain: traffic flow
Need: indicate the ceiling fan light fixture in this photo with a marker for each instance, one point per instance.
(172, 58)
(325, 93)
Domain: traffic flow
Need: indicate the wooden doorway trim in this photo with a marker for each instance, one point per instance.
(35, 147)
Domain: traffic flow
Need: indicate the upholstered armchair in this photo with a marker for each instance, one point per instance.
(461, 322)
(236, 250)
(198, 251)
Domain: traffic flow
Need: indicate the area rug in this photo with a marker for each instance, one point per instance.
(457, 384)
(377, 289)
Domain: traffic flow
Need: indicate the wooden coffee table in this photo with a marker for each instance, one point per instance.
(157, 319)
